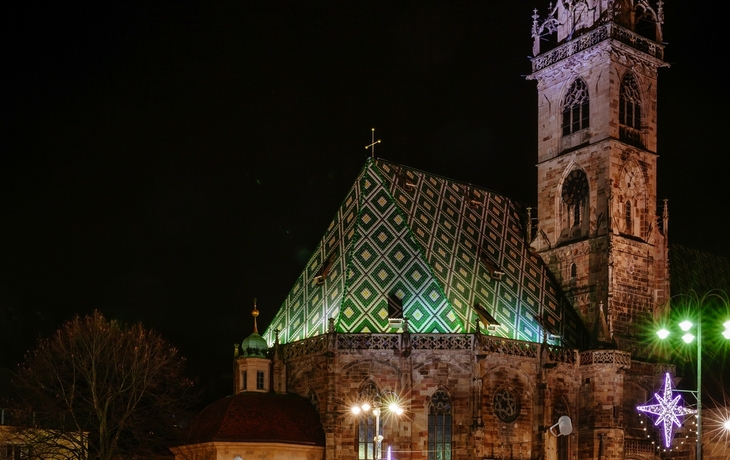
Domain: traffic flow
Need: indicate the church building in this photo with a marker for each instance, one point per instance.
(462, 324)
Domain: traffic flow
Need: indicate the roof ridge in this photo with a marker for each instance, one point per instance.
(447, 178)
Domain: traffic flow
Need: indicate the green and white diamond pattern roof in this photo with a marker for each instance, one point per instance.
(406, 243)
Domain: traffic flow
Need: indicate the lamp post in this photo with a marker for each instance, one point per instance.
(688, 337)
(393, 407)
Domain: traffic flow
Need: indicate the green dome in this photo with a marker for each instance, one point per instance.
(254, 346)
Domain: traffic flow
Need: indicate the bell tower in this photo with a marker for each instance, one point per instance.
(597, 122)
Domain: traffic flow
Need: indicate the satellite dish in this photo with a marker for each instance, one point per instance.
(565, 426)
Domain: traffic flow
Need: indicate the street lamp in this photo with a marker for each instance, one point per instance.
(376, 406)
(688, 337)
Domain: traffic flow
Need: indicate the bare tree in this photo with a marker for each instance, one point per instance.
(101, 389)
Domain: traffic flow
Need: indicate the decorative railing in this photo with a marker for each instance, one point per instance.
(442, 341)
(606, 357)
(305, 347)
(480, 343)
(594, 37)
(642, 368)
(368, 341)
(635, 40)
(562, 354)
(508, 347)
(638, 447)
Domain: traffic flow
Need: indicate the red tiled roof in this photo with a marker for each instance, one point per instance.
(256, 417)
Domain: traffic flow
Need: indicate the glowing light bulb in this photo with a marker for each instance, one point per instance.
(662, 333)
(395, 408)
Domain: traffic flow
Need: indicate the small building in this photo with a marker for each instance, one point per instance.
(261, 420)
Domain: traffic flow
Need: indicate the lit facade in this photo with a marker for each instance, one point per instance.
(488, 320)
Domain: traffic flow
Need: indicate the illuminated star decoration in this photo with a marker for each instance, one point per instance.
(667, 411)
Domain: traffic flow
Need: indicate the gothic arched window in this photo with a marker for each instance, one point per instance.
(366, 430)
(576, 108)
(574, 194)
(439, 427)
(629, 109)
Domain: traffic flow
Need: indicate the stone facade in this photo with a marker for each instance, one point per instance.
(611, 254)
(561, 301)
(599, 390)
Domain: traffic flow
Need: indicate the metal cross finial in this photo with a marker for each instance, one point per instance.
(372, 144)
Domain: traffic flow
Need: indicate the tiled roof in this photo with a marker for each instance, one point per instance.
(258, 417)
(439, 252)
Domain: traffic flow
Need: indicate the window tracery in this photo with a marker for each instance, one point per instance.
(506, 405)
(629, 110)
(630, 213)
(576, 108)
(574, 196)
(367, 431)
(439, 426)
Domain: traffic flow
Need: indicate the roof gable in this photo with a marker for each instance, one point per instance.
(413, 244)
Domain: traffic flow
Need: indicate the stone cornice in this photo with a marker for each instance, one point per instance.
(592, 38)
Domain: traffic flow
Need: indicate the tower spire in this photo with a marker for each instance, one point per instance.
(255, 313)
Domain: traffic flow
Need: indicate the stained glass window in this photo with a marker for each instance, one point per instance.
(439, 427)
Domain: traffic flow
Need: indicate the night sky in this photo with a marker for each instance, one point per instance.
(167, 162)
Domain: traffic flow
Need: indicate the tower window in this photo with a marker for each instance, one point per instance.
(628, 217)
(439, 427)
(244, 379)
(574, 194)
(573, 272)
(259, 380)
(629, 110)
(576, 108)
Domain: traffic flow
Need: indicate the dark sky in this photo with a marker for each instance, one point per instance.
(167, 162)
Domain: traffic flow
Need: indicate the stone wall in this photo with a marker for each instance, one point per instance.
(484, 377)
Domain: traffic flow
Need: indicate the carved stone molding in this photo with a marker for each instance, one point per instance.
(600, 34)
(620, 358)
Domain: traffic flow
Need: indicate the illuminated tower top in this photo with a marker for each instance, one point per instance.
(569, 18)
